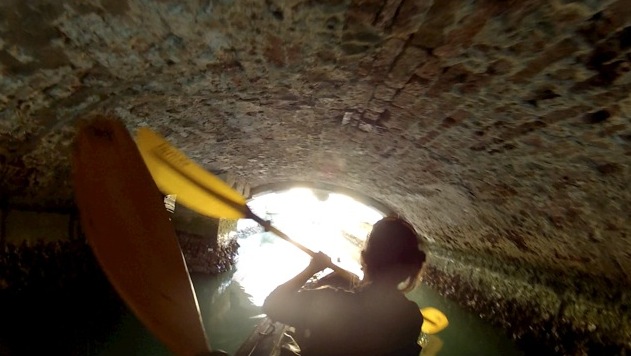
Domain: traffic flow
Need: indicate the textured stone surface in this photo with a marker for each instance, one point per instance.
(205, 242)
(498, 128)
(545, 311)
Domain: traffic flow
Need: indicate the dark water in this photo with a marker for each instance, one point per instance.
(466, 334)
(229, 317)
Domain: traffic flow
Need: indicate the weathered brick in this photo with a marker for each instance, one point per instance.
(377, 106)
(500, 67)
(554, 53)
(410, 17)
(294, 54)
(399, 119)
(564, 114)
(429, 107)
(365, 68)
(386, 15)
(362, 12)
(388, 53)
(371, 116)
(460, 115)
(474, 83)
(431, 33)
(447, 51)
(430, 69)
(453, 75)
(365, 35)
(405, 65)
(407, 96)
(620, 13)
(463, 34)
(274, 51)
(384, 93)
(570, 14)
(429, 137)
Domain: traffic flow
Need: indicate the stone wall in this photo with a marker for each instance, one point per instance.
(205, 242)
(565, 312)
(208, 243)
(505, 122)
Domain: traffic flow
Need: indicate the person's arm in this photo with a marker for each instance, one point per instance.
(281, 304)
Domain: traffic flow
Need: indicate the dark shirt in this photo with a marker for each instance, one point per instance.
(331, 321)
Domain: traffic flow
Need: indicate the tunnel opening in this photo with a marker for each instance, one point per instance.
(319, 219)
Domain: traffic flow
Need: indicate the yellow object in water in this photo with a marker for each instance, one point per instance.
(434, 320)
(174, 173)
(432, 345)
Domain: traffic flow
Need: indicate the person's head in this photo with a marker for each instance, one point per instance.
(392, 253)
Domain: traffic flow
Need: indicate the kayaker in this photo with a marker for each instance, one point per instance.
(375, 318)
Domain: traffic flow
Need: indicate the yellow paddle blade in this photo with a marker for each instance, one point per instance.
(197, 189)
(434, 321)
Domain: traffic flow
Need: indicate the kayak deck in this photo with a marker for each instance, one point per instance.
(265, 340)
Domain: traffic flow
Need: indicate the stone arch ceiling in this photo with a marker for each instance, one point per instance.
(499, 128)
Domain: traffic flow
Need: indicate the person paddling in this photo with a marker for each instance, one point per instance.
(374, 318)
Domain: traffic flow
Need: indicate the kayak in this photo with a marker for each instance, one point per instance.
(269, 338)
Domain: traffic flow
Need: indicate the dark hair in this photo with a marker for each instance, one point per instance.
(392, 251)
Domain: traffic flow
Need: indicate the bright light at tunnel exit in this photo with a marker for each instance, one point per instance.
(337, 226)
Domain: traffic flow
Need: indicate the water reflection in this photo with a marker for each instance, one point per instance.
(230, 303)
(227, 310)
(466, 334)
(431, 344)
(264, 262)
(231, 310)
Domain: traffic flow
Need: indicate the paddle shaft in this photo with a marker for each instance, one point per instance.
(247, 213)
(269, 227)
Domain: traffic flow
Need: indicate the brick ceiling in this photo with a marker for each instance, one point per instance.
(500, 128)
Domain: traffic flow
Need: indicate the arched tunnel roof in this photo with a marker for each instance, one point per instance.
(498, 128)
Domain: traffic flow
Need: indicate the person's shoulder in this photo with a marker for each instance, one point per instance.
(328, 293)
(411, 312)
(411, 304)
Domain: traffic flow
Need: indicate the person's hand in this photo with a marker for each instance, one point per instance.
(319, 262)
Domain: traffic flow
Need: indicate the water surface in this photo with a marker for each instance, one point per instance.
(230, 303)
(230, 307)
